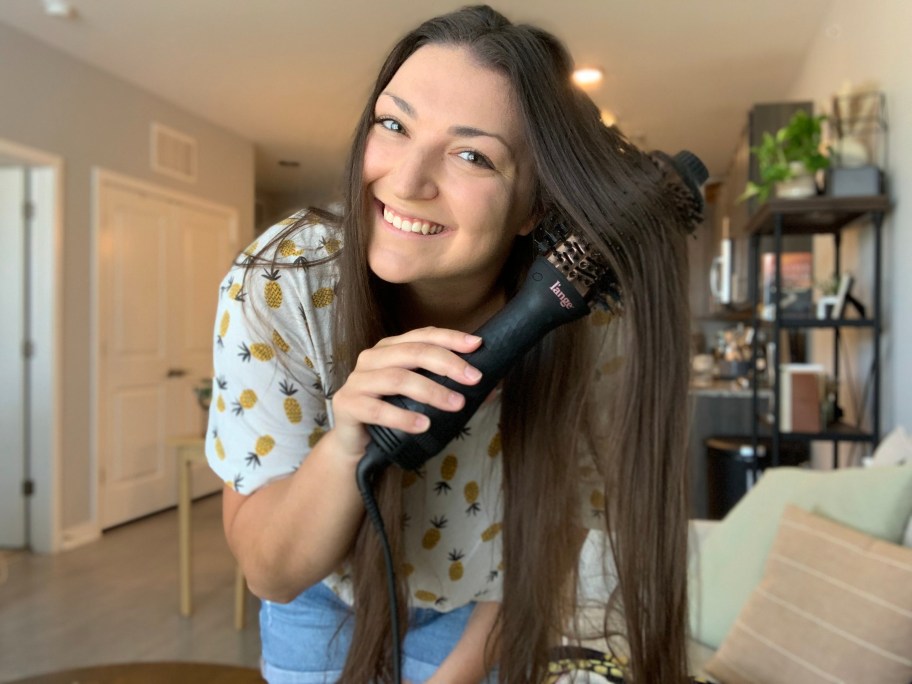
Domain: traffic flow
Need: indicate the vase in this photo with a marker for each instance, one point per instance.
(801, 184)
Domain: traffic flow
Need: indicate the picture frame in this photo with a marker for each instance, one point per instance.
(842, 294)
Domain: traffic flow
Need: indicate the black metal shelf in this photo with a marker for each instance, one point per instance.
(834, 432)
(815, 216)
(799, 323)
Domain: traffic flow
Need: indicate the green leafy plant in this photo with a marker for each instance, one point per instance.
(794, 150)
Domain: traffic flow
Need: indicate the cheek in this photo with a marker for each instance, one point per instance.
(375, 160)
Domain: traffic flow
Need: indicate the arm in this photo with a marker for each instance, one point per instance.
(466, 663)
(293, 532)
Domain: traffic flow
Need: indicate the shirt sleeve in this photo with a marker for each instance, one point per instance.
(268, 405)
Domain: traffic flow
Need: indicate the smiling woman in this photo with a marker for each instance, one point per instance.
(473, 145)
(447, 152)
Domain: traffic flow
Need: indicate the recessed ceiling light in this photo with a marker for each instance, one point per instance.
(60, 9)
(289, 163)
(588, 77)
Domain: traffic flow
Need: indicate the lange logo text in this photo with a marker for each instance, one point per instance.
(564, 299)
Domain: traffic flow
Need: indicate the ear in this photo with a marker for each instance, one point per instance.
(529, 225)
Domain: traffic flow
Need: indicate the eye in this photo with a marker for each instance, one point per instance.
(476, 159)
(390, 124)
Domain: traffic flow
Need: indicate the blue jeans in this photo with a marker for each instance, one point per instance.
(299, 645)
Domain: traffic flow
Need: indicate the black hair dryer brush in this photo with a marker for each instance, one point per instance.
(559, 288)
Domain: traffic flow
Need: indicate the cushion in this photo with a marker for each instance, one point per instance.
(834, 605)
(729, 564)
(894, 449)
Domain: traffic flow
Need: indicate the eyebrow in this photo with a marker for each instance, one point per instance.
(459, 131)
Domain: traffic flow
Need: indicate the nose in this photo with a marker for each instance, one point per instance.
(414, 177)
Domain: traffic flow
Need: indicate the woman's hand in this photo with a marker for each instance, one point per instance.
(388, 369)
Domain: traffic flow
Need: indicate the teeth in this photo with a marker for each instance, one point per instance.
(409, 226)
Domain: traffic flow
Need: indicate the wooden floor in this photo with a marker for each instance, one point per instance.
(116, 601)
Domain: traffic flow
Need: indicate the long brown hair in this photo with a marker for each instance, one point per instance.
(612, 193)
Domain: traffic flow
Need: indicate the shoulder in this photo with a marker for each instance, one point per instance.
(302, 239)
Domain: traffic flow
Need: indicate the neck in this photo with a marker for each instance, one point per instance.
(421, 306)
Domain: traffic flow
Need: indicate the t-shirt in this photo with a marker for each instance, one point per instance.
(271, 403)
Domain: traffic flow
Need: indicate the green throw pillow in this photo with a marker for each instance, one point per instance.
(729, 563)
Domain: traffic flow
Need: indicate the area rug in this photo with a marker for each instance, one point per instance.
(150, 673)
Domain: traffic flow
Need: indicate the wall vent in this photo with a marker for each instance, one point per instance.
(173, 153)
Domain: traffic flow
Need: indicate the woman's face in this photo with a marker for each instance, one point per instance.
(446, 154)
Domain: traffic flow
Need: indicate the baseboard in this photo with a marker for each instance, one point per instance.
(78, 535)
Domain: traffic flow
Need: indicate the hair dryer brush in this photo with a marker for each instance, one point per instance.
(562, 284)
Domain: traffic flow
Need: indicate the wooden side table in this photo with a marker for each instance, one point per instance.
(190, 450)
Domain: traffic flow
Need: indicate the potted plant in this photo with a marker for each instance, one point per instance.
(789, 160)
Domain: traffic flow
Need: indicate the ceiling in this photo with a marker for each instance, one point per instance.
(292, 75)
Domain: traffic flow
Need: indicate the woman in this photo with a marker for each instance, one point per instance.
(472, 136)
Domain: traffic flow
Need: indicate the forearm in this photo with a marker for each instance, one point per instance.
(293, 532)
(466, 663)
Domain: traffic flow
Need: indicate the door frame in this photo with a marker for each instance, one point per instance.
(102, 177)
(44, 529)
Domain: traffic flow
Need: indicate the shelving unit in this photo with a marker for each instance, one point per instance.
(813, 216)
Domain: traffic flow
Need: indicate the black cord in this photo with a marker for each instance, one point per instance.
(374, 461)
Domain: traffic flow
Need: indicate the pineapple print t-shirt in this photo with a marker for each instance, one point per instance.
(273, 359)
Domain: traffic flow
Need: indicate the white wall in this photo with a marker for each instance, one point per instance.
(89, 118)
(860, 43)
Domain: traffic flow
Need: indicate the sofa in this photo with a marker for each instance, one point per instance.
(807, 579)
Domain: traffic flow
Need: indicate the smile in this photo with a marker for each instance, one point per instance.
(410, 225)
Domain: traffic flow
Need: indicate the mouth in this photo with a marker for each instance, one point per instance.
(409, 224)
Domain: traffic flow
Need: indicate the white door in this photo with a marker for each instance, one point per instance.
(160, 262)
(12, 364)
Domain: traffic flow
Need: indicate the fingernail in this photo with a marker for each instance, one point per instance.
(472, 339)
(472, 373)
(422, 422)
(455, 399)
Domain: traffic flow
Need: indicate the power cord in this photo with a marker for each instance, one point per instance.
(373, 461)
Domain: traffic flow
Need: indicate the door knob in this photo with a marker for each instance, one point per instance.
(176, 372)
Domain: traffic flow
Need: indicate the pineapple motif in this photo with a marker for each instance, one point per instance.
(323, 297)
(308, 362)
(263, 446)
(318, 431)
(406, 569)
(234, 291)
(272, 291)
(292, 407)
(600, 317)
(258, 350)
(455, 557)
(223, 325)
(471, 496)
(331, 245)
(432, 536)
(491, 532)
(251, 250)
(279, 341)
(447, 472)
(612, 366)
(219, 449)
(246, 401)
(220, 404)
(409, 477)
(426, 596)
(236, 483)
(495, 446)
(287, 248)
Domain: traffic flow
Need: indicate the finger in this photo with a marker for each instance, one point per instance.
(442, 337)
(368, 410)
(387, 382)
(431, 357)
